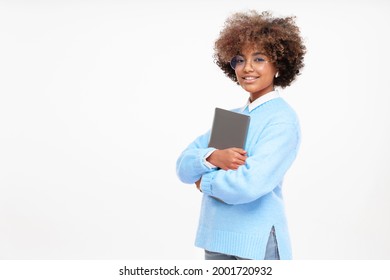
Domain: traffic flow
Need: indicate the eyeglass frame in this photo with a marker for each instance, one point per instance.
(245, 61)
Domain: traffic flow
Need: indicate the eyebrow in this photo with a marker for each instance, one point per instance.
(254, 54)
(257, 53)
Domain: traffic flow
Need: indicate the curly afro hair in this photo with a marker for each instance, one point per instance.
(278, 38)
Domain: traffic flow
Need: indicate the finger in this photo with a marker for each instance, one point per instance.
(239, 158)
(239, 150)
(234, 164)
(233, 167)
(226, 168)
(240, 162)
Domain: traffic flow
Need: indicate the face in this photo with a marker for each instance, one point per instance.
(255, 73)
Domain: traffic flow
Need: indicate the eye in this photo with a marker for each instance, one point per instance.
(239, 59)
(259, 59)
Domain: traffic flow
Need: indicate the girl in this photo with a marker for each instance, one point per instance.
(242, 214)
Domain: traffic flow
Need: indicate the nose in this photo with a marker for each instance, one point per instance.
(248, 66)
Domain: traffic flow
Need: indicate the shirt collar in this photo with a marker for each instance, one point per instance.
(261, 100)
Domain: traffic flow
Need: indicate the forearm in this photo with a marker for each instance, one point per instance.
(190, 165)
(248, 183)
(263, 170)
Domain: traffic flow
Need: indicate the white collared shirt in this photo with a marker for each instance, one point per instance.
(261, 100)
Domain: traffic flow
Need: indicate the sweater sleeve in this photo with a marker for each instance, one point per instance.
(264, 169)
(190, 164)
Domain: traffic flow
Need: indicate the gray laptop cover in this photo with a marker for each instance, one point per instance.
(229, 129)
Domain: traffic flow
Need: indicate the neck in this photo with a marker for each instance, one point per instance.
(254, 95)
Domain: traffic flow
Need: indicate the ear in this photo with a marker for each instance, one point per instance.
(276, 71)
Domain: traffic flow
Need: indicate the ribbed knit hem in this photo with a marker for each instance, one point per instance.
(232, 243)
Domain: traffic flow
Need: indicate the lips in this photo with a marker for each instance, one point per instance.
(250, 79)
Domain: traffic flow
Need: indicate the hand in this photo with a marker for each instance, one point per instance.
(197, 183)
(226, 159)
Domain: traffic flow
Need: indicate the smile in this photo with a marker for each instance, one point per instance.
(250, 78)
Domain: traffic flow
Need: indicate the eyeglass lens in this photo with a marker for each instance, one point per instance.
(238, 61)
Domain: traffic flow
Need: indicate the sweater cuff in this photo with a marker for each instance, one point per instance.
(200, 162)
(205, 162)
(206, 183)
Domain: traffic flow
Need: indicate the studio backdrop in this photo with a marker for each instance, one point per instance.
(99, 98)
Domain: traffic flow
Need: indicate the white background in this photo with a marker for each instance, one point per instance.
(98, 99)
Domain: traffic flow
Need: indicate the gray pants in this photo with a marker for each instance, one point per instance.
(271, 253)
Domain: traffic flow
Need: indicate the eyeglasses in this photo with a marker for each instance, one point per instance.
(238, 62)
